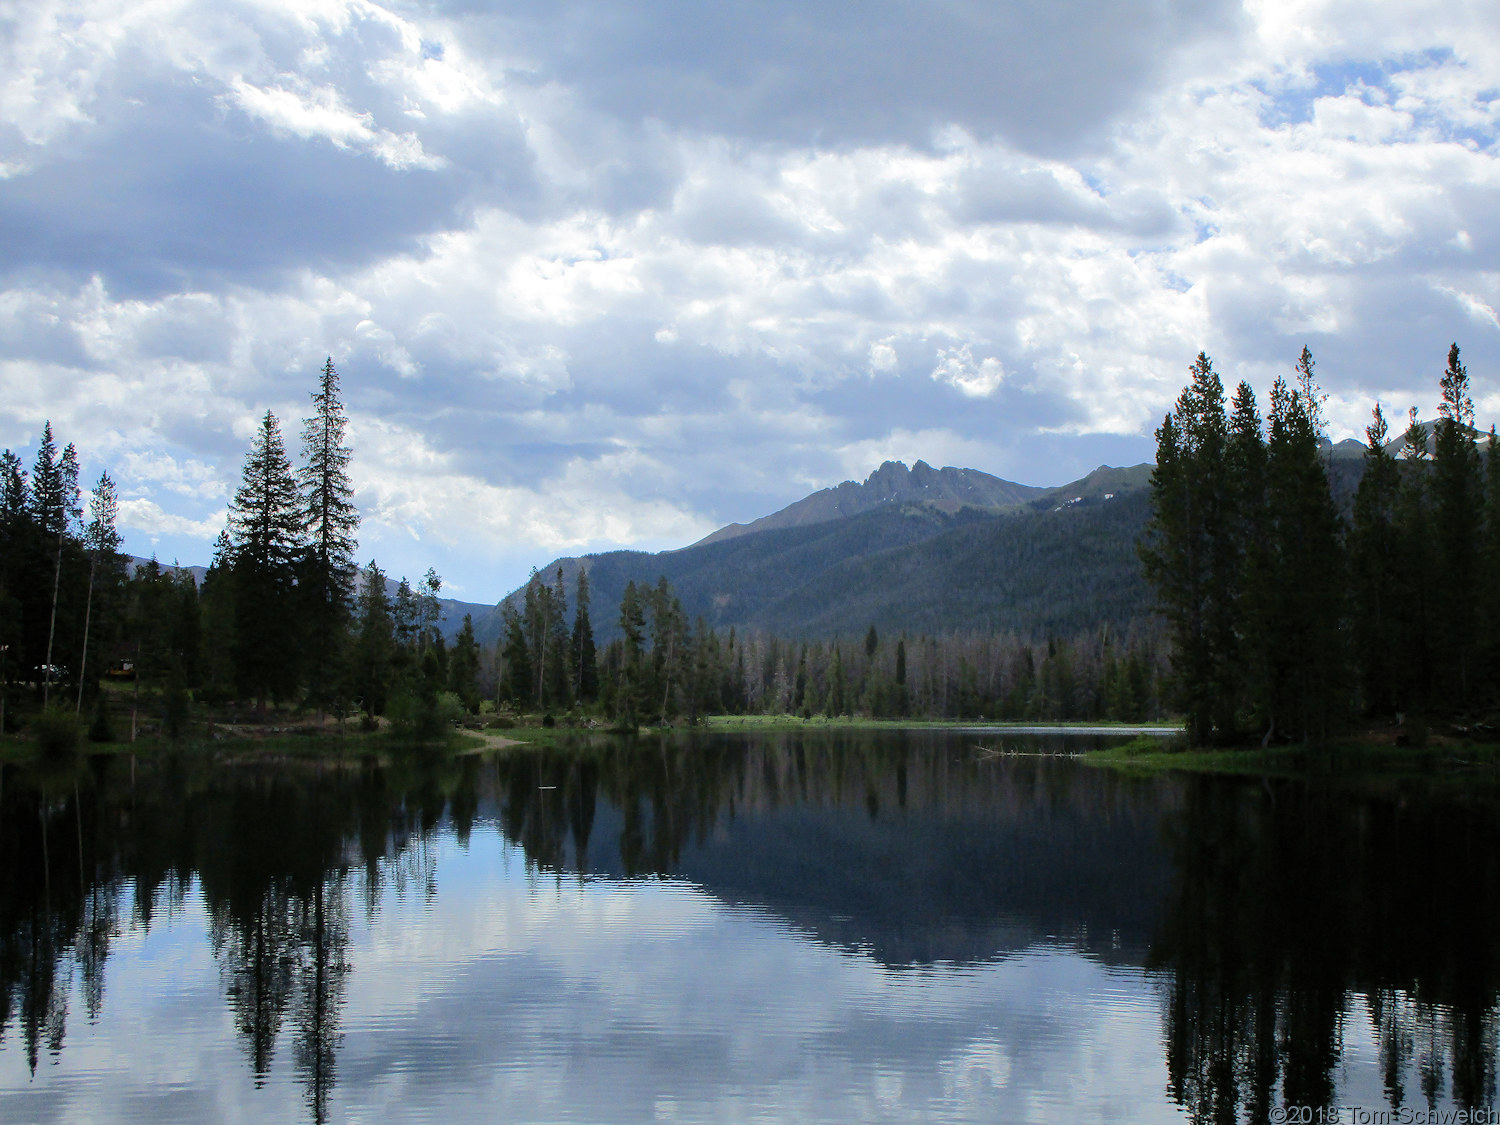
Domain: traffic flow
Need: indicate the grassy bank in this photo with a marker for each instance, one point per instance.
(775, 723)
(1345, 757)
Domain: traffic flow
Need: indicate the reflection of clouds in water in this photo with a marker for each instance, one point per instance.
(652, 1001)
(513, 995)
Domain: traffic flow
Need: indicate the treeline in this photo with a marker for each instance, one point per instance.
(283, 616)
(1289, 621)
(280, 616)
(665, 668)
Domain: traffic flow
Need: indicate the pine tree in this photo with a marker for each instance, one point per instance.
(463, 665)
(102, 541)
(1374, 569)
(218, 614)
(1457, 488)
(1414, 571)
(429, 609)
(46, 502)
(630, 703)
(517, 681)
(374, 645)
(1489, 570)
(903, 700)
(1187, 550)
(557, 672)
(12, 492)
(668, 648)
(583, 655)
(1240, 647)
(265, 527)
(1308, 692)
(837, 705)
(330, 521)
(58, 512)
(406, 619)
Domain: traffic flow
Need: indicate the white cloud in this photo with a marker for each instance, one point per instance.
(148, 518)
(627, 320)
(404, 484)
(957, 368)
(320, 112)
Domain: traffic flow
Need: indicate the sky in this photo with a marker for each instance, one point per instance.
(601, 274)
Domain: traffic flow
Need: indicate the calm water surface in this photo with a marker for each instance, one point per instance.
(834, 927)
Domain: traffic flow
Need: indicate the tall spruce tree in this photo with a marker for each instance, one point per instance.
(330, 522)
(583, 655)
(59, 517)
(557, 672)
(463, 665)
(1188, 553)
(102, 541)
(517, 682)
(1374, 566)
(1489, 568)
(265, 527)
(46, 501)
(1308, 690)
(1414, 571)
(1242, 656)
(1457, 489)
(630, 701)
(374, 645)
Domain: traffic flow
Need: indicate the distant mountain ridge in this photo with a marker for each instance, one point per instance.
(947, 489)
(920, 550)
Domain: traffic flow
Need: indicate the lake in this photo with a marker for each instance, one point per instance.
(831, 927)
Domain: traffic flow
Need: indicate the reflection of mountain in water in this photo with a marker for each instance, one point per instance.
(905, 846)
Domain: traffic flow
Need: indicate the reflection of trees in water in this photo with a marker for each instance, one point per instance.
(282, 855)
(672, 792)
(1293, 912)
(1296, 911)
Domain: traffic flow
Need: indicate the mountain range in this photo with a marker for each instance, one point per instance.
(918, 550)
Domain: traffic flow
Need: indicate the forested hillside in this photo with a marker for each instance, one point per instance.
(911, 567)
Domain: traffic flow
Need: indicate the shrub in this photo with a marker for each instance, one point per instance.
(450, 708)
(55, 730)
(100, 729)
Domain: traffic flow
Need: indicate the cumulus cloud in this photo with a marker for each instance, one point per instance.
(958, 368)
(600, 275)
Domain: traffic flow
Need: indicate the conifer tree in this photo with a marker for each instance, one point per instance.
(216, 668)
(265, 526)
(406, 618)
(629, 703)
(102, 541)
(1239, 645)
(1187, 549)
(1457, 488)
(46, 501)
(330, 522)
(557, 672)
(1414, 571)
(1308, 690)
(429, 609)
(463, 665)
(1374, 566)
(1489, 569)
(58, 511)
(517, 681)
(374, 645)
(12, 492)
(583, 655)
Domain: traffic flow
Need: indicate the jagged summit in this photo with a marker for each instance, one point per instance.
(947, 489)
